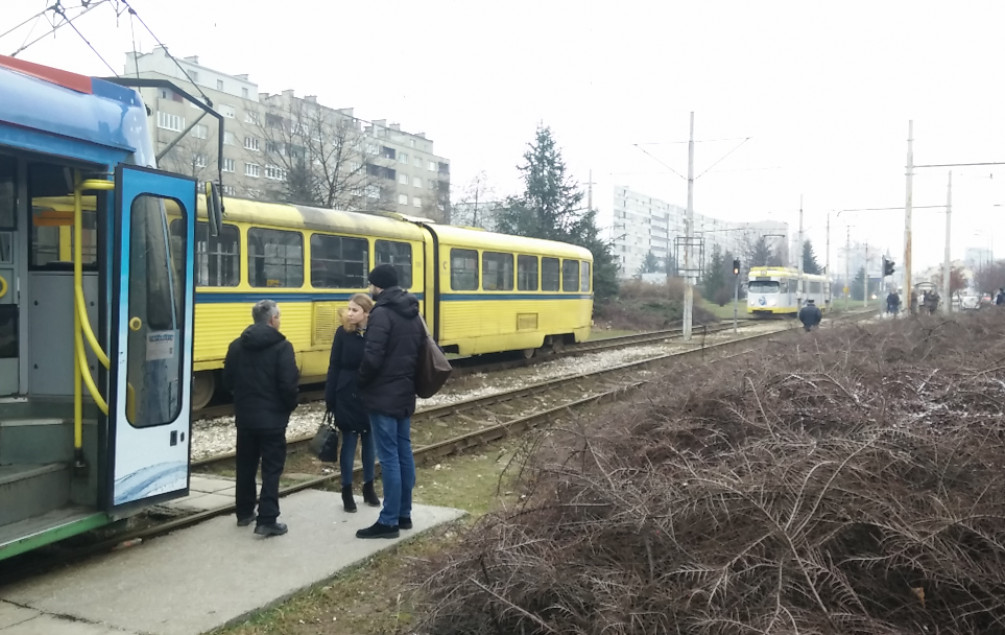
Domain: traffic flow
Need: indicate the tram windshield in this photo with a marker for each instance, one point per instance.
(762, 286)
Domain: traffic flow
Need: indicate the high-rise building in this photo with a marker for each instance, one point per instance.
(280, 147)
(645, 225)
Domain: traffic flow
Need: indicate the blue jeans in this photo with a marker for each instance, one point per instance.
(397, 466)
(348, 453)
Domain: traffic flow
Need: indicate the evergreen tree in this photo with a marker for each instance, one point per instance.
(650, 265)
(858, 286)
(715, 278)
(761, 256)
(810, 259)
(550, 208)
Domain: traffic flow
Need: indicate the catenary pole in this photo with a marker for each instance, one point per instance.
(801, 290)
(907, 212)
(947, 307)
(689, 277)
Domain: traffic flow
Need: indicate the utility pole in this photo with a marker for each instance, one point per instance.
(827, 262)
(865, 278)
(689, 278)
(907, 212)
(847, 265)
(801, 289)
(947, 265)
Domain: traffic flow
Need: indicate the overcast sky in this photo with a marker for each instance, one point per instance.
(802, 98)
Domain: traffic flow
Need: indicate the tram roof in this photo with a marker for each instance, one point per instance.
(69, 105)
(469, 236)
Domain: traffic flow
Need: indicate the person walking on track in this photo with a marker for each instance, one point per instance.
(810, 315)
(342, 399)
(261, 371)
(394, 337)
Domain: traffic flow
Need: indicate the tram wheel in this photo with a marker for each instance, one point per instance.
(528, 352)
(203, 388)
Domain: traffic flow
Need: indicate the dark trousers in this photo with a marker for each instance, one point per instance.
(270, 447)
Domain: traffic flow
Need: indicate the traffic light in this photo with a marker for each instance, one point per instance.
(736, 266)
(887, 267)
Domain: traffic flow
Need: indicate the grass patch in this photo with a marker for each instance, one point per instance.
(369, 599)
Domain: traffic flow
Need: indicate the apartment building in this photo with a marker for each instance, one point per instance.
(280, 147)
(644, 224)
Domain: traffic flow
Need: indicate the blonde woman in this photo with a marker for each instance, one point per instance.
(342, 399)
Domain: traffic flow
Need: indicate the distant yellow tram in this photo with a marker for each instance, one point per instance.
(782, 290)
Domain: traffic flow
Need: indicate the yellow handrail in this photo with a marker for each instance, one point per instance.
(81, 324)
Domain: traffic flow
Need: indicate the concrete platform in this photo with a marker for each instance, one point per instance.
(201, 578)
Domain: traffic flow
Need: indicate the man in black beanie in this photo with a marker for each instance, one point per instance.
(394, 335)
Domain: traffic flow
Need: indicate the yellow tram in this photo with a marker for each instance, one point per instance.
(773, 291)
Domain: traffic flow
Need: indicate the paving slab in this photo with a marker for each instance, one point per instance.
(213, 574)
(18, 620)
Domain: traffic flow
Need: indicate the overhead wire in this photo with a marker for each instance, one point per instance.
(59, 11)
(55, 27)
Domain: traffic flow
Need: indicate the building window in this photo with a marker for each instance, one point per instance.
(416, 201)
(217, 258)
(416, 181)
(251, 143)
(526, 273)
(167, 121)
(497, 272)
(402, 157)
(244, 92)
(432, 166)
(229, 190)
(275, 258)
(399, 256)
(251, 116)
(386, 153)
(228, 165)
(252, 169)
(229, 138)
(403, 179)
(199, 160)
(227, 111)
(200, 131)
(549, 274)
(403, 199)
(570, 275)
(463, 269)
(219, 86)
(275, 172)
(418, 162)
(338, 262)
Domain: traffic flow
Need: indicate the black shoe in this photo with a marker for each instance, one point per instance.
(271, 529)
(244, 521)
(348, 502)
(370, 496)
(404, 522)
(377, 530)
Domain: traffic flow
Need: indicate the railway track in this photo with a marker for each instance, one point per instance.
(500, 362)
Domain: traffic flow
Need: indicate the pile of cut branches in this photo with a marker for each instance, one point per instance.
(846, 481)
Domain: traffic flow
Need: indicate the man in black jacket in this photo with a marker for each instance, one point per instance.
(394, 335)
(809, 315)
(261, 371)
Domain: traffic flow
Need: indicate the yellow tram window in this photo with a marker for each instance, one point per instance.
(275, 258)
(549, 274)
(463, 269)
(398, 255)
(497, 271)
(339, 262)
(526, 273)
(570, 275)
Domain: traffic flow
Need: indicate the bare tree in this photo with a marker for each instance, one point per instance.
(322, 155)
(474, 206)
(191, 156)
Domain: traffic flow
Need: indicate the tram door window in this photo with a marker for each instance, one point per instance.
(9, 331)
(157, 294)
(463, 270)
(584, 276)
(497, 271)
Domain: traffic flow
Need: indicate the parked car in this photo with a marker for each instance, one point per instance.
(970, 302)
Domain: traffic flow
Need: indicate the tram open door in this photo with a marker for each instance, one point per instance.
(150, 379)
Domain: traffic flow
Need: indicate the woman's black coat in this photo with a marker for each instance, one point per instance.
(341, 393)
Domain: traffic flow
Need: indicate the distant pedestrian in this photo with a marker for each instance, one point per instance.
(261, 371)
(1000, 298)
(342, 398)
(810, 315)
(893, 303)
(932, 301)
(394, 337)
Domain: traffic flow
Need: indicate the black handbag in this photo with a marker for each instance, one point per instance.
(432, 368)
(324, 445)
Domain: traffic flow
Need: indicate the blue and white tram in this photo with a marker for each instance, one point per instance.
(773, 291)
(96, 309)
